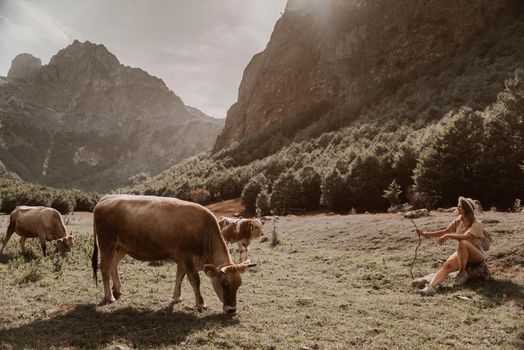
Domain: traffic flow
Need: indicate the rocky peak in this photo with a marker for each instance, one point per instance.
(24, 66)
(86, 78)
(83, 59)
(85, 120)
(85, 53)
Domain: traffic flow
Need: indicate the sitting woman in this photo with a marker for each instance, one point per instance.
(468, 233)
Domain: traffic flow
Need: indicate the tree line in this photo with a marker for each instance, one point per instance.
(16, 192)
(477, 153)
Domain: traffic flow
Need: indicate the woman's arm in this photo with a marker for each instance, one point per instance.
(439, 233)
(456, 236)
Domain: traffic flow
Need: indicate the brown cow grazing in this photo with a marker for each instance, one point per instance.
(42, 222)
(154, 228)
(241, 231)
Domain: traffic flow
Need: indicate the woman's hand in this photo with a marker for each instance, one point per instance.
(442, 239)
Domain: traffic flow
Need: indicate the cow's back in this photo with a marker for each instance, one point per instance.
(153, 228)
(34, 221)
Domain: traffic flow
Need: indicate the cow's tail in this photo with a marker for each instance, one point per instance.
(94, 257)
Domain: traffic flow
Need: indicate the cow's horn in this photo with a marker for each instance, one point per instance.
(251, 264)
(223, 269)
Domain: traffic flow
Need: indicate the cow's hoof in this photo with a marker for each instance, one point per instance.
(106, 302)
(116, 295)
(176, 300)
(202, 307)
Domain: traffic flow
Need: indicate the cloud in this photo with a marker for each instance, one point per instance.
(27, 28)
(199, 48)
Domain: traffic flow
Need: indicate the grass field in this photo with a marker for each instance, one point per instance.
(334, 282)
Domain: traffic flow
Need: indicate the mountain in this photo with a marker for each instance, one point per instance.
(423, 100)
(338, 57)
(85, 120)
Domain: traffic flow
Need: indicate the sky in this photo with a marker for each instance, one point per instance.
(199, 48)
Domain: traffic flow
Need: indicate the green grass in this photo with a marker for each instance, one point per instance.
(333, 282)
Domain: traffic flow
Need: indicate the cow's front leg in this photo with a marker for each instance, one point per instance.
(246, 253)
(180, 273)
(43, 245)
(22, 243)
(240, 250)
(194, 279)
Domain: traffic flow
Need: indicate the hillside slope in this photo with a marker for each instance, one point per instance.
(85, 120)
(328, 60)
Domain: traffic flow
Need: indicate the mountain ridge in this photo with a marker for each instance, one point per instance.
(106, 121)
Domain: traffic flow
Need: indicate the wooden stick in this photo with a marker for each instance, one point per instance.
(416, 249)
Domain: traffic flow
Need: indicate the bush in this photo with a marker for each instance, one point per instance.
(335, 191)
(63, 203)
(251, 191)
(262, 203)
(201, 196)
(366, 179)
(285, 192)
(10, 201)
(85, 201)
(274, 237)
(310, 182)
(392, 193)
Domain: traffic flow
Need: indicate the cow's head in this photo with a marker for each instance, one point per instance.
(226, 281)
(256, 228)
(65, 244)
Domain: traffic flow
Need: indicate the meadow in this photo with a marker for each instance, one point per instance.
(333, 282)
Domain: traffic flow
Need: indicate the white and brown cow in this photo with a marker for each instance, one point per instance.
(152, 228)
(42, 222)
(241, 231)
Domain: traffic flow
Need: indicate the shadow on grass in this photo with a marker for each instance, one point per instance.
(499, 291)
(496, 291)
(87, 327)
(28, 256)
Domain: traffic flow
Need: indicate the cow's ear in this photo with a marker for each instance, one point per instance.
(211, 270)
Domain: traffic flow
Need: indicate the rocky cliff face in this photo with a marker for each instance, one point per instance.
(87, 121)
(24, 66)
(325, 53)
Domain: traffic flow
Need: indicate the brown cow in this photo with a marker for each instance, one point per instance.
(241, 231)
(42, 222)
(152, 228)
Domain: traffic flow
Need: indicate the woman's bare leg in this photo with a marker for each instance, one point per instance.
(449, 266)
(467, 252)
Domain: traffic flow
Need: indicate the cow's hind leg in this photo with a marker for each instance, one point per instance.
(117, 286)
(194, 279)
(180, 273)
(106, 262)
